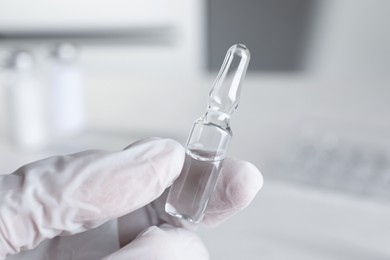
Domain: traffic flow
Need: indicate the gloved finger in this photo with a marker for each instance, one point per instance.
(238, 183)
(69, 194)
(163, 243)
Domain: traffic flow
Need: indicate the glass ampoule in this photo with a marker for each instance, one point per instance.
(208, 141)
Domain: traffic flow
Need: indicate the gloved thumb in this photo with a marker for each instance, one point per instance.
(70, 194)
(163, 243)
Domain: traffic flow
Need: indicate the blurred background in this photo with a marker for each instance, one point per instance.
(314, 112)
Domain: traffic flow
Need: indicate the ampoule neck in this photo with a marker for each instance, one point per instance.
(217, 118)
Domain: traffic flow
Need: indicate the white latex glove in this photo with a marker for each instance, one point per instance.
(67, 207)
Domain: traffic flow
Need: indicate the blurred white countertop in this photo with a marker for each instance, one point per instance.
(285, 221)
(288, 221)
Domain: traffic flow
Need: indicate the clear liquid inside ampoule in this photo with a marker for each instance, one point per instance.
(192, 189)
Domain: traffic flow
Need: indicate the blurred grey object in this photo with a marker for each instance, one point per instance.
(349, 39)
(337, 164)
(162, 35)
(275, 31)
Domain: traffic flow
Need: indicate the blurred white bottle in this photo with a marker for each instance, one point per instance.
(25, 106)
(65, 92)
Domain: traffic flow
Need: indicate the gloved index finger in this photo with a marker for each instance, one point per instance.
(141, 173)
(69, 194)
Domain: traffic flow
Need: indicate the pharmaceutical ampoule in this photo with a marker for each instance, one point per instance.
(208, 141)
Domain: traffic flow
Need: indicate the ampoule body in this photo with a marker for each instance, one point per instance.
(208, 141)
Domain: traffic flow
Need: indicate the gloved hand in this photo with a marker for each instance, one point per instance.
(96, 204)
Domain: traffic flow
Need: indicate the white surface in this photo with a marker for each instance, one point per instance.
(295, 222)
